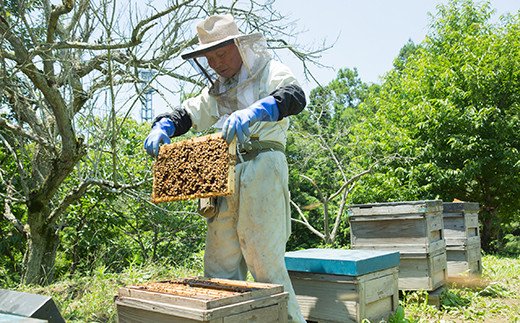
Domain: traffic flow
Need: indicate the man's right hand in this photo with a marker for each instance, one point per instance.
(160, 134)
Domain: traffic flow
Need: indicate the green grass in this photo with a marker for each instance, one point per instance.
(91, 298)
(496, 298)
(493, 298)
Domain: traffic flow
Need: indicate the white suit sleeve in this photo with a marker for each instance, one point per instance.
(202, 110)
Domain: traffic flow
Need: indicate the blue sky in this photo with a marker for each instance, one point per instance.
(369, 33)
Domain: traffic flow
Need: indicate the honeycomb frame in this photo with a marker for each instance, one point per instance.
(198, 167)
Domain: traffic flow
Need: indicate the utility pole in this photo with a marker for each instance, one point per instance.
(147, 93)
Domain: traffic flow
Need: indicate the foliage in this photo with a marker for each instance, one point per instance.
(63, 64)
(321, 173)
(91, 298)
(451, 109)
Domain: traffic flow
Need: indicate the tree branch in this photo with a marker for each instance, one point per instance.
(305, 221)
(20, 131)
(79, 191)
(8, 214)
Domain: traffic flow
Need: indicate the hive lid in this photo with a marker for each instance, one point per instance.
(340, 261)
(459, 207)
(392, 208)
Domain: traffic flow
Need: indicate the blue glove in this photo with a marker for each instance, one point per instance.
(160, 134)
(239, 121)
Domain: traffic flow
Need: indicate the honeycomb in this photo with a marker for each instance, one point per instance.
(194, 168)
(194, 288)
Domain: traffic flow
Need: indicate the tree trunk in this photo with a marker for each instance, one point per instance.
(41, 251)
(489, 228)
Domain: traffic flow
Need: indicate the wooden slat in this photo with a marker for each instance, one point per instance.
(410, 207)
(468, 207)
(201, 292)
(188, 312)
(338, 298)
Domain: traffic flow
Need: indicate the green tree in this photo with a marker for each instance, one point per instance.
(56, 60)
(453, 108)
(319, 153)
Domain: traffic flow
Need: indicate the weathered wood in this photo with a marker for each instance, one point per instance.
(464, 259)
(262, 302)
(462, 238)
(407, 227)
(422, 271)
(396, 208)
(460, 223)
(339, 298)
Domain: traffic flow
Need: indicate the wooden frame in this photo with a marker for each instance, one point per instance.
(338, 298)
(265, 302)
(230, 175)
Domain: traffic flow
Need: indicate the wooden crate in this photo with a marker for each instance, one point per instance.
(460, 223)
(462, 238)
(465, 259)
(426, 271)
(344, 285)
(407, 227)
(202, 300)
(415, 229)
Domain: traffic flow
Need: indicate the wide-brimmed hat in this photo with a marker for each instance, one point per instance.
(214, 32)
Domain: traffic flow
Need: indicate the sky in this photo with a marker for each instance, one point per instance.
(367, 34)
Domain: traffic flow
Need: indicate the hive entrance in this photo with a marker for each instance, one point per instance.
(194, 168)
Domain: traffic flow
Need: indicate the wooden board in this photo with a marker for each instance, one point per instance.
(202, 300)
(396, 208)
(428, 271)
(199, 167)
(339, 298)
(464, 259)
(461, 225)
(406, 233)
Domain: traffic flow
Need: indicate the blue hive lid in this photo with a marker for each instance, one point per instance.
(340, 261)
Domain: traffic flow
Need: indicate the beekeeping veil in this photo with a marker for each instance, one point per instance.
(241, 90)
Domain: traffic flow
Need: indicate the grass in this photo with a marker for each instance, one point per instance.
(91, 298)
(493, 298)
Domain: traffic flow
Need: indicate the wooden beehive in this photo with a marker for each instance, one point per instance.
(334, 285)
(202, 300)
(195, 168)
(462, 238)
(414, 229)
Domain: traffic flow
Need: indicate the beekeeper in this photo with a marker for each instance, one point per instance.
(249, 97)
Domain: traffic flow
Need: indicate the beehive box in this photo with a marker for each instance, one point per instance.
(195, 168)
(334, 285)
(462, 238)
(202, 300)
(414, 229)
(426, 271)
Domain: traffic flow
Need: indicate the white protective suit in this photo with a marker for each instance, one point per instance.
(252, 226)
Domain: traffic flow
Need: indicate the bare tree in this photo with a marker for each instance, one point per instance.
(55, 63)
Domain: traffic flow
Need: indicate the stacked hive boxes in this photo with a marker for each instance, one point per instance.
(462, 238)
(415, 229)
(334, 285)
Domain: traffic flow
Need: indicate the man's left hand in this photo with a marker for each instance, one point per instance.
(239, 121)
